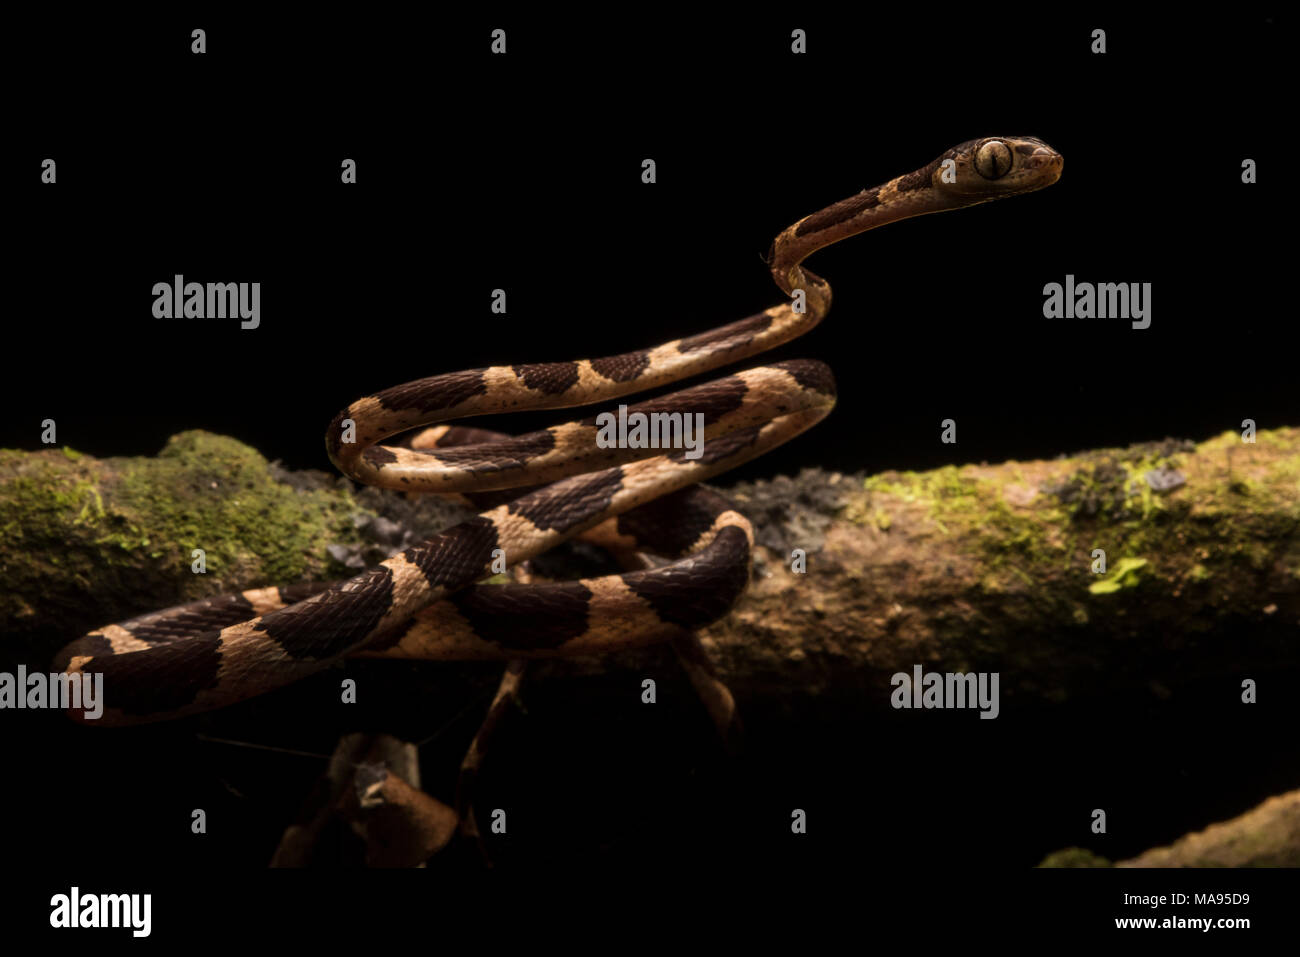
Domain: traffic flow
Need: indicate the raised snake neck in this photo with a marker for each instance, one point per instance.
(423, 602)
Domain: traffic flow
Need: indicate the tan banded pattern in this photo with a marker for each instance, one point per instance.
(425, 602)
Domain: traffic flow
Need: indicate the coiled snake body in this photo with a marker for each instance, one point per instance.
(423, 602)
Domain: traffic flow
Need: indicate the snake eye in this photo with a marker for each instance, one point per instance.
(993, 159)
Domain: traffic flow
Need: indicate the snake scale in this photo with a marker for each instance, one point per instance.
(424, 602)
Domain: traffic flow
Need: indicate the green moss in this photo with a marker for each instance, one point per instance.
(115, 535)
(214, 493)
(947, 483)
(1074, 857)
(959, 503)
(1123, 575)
(1111, 484)
(1228, 523)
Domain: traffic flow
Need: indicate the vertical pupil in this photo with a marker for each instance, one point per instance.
(995, 160)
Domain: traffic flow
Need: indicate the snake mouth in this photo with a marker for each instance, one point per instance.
(1046, 166)
(1043, 158)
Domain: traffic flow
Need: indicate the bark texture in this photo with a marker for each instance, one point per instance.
(981, 567)
(1265, 836)
(992, 567)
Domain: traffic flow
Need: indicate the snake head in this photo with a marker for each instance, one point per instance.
(997, 166)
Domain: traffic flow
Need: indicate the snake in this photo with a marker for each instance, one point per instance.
(432, 601)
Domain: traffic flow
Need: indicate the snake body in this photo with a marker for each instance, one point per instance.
(424, 603)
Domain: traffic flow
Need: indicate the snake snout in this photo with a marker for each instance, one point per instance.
(1047, 160)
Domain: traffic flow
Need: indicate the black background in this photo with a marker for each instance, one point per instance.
(523, 172)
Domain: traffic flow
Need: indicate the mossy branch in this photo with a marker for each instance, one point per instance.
(987, 567)
(1265, 836)
(996, 568)
(85, 541)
